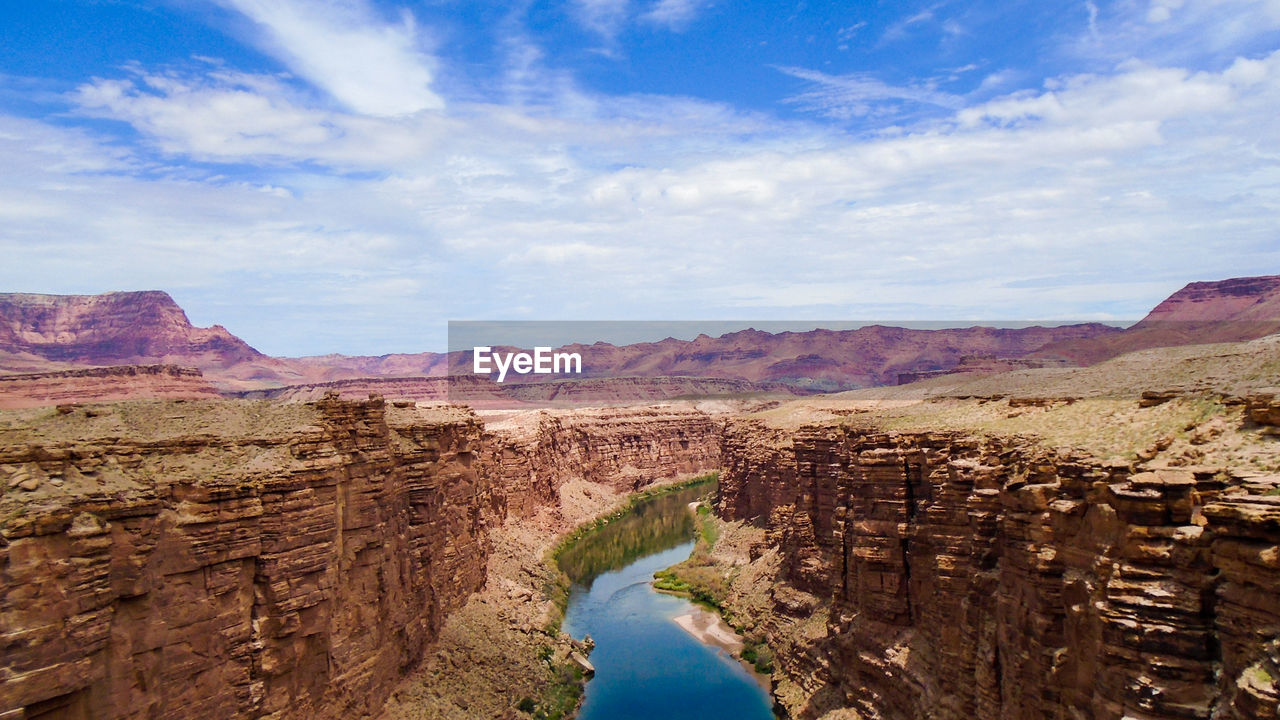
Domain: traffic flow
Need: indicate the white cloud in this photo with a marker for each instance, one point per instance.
(1140, 95)
(845, 34)
(899, 29)
(235, 117)
(370, 66)
(1161, 10)
(571, 204)
(1179, 32)
(604, 17)
(676, 14)
(860, 95)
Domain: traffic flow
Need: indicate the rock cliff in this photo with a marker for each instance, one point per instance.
(1231, 310)
(482, 393)
(970, 576)
(236, 559)
(120, 382)
(531, 455)
(113, 328)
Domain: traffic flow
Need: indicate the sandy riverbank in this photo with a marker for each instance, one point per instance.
(709, 628)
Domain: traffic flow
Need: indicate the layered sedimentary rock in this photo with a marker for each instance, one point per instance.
(119, 327)
(992, 578)
(249, 559)
(106, 384)
(291, 572)
(624, 448)
(53, 332)
(1201, 312)
(480, 392)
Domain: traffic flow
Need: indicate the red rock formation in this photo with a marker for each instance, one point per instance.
(103, 385)
(47, 332)
(990, 578)
(479, 392)
(822, 359)
(626, 448)
(816, 359)
(113, 329)
(249, 559)
(292, 572)
(392, 365)
(1202, 312)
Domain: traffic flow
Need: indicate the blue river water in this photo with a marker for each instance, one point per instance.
(648, 667)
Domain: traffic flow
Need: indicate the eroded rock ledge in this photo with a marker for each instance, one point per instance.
(971, 577)
(222, 559)
(103, 384)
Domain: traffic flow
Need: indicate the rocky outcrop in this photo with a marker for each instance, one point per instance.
(1231, 310)
(983, 577)
(482, 393)
(277, 574)
(1264, 409)
(625, 448)
(103, 385)
(113, 328)
(220, 559)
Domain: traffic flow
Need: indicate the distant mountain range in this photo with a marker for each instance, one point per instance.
(1232, 310)
(45, 333)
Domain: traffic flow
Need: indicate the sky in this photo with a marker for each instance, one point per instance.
(347, 176)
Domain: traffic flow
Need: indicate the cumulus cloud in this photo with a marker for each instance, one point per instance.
(371, 66)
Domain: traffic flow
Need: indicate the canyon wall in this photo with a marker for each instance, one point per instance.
(482, 393)
(223, 559)
(106, 384)
(623, 448)
(973, 577)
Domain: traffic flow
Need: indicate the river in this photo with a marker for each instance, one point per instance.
(647, 666)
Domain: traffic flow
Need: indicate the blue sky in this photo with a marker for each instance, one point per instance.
(325, 176)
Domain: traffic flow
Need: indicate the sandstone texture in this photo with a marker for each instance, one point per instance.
(532, 454)
(239, 559)
(293, 570)
(965, 575)
(106, 384)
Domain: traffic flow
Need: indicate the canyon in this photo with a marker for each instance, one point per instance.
(953, 554)
(1042, 552)
(973, 577)
(1023, 540)
(233, 559)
